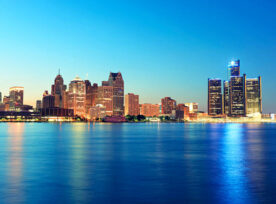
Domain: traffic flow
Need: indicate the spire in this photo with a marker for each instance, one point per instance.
(59, 71)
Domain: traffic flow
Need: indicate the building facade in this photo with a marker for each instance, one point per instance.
(105, 97)
(234, 68)
(132, 104)
(214, 97)
(237, 96)
(150, 110)
(116, 81)
(76, 97)
(193, 107)
(168, 105)
(253, 96)
(226, 98)
(16, 97)
(57, 91)
(91, 95)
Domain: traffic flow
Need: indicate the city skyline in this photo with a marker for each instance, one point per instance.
(167, 47)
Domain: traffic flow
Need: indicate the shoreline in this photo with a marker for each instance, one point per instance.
(100, 122)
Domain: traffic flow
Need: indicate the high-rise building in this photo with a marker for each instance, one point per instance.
(57, 91)
(150, 110)
(76, 97)
(0, 97)
(16, 97)
(214, 97)
(91, 95)
(132, 104)
(226, 99)
(234, 68)
(105, 97)
(38, 104)
(116, 81)
(168, 105)
(237, 95)
(253, 96)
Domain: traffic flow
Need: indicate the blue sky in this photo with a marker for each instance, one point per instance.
(162, 48)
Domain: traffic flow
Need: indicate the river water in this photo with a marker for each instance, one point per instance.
(137, 163)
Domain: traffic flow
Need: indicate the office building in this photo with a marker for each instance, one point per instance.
(132, 104)
(0, 97)
(97, 112)
(48, 101)
(150, 110)
(76, 97)
(253, 96)
(16, 97)
(91, 95)
(116, 81)
(168, 105)
(38, 105)
(226, 98)
(57, 91)
(237, 95)
(214, 97)
(105, 97)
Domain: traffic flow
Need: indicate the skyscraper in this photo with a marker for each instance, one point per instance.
(168, 105)
(214, 97)
(105, 97)
(57, 91)
(226, 99)
(0, 97)
(91, 95)
(132, 104)
(76, 97)
(234, 68)
(16, 97)
(237, 95)
(116, 81)
(253, 96)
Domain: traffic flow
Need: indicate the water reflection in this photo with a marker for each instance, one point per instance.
(78, 177)
(15, 164)
(233, 164)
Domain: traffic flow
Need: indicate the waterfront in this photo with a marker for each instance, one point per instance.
(137, 163)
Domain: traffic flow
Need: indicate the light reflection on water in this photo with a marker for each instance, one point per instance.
(137, 163)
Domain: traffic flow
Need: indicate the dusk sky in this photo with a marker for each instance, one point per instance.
(163, 48)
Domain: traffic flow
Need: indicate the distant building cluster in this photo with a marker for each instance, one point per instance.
(14, 101)
(238, 96)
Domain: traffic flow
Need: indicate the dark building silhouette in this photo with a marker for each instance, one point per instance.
(116, 81)
(214, 97)
(226, 99)
(237, 96)
(48, 101)
(91, 95)
(57, 91)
